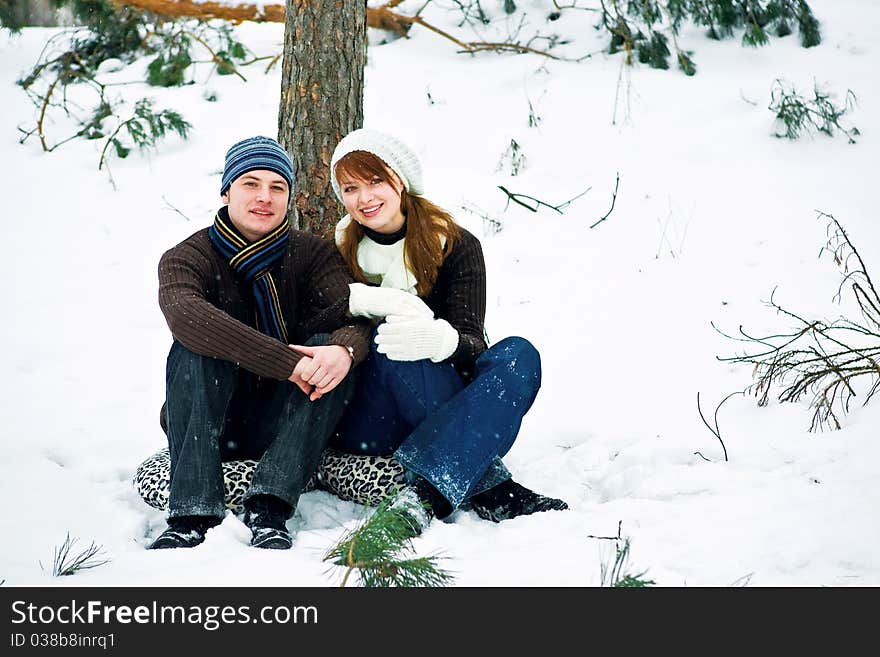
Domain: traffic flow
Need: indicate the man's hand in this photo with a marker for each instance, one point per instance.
(296, 376)
(320, 369)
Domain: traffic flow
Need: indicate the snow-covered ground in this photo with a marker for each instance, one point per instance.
(712, 213)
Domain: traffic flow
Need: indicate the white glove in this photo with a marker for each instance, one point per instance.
(378, 302)
(416, 338)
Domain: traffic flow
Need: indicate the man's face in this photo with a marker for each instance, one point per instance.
(257, 202)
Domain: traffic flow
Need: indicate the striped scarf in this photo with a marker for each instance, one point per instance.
(252, 261)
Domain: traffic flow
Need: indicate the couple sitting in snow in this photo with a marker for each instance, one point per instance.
(277, 356)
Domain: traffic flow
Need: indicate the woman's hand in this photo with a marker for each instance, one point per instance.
(378, 302)
(320, 369)
(416, 338)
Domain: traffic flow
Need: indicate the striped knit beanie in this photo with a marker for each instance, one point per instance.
(393, 152)
(256, 153)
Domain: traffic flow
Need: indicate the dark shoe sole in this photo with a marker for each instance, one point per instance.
(498, 514)
(271, 539)
(171, 538)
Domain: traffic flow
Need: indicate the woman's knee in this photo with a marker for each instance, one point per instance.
(520, 358)
(521, 353)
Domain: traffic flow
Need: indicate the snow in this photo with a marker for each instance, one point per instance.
(711, 215)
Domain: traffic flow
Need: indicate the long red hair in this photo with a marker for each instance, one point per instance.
(424, 250)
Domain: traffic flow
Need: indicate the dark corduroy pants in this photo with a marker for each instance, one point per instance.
(216, 411)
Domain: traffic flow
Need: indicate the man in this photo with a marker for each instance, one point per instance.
(234, 296)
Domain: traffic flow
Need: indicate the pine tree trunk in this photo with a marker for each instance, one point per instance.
(322, 91)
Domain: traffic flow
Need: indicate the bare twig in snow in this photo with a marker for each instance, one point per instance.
(613, 200)
(716, 431)
(609, 538)
(64, 564)
(168, 203)
(518, 199)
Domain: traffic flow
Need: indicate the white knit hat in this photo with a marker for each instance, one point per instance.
(398, 156)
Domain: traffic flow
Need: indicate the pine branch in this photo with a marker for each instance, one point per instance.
(145, 128)
(797, 115)
(418, 572)
(223, 64)
(646, 26)
(376, 549)
(821, 359)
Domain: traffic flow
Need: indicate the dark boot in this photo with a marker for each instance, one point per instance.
(418, 503)
(415, 512)
(184, 532)
(509, 499)
(266, 516)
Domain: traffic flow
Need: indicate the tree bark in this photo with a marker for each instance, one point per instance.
(322, 92)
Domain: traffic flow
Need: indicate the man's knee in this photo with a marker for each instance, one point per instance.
(187, 363)
(163, 417)
(194, 381)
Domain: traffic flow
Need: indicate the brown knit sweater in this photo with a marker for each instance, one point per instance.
(211, 312)
(459, 297)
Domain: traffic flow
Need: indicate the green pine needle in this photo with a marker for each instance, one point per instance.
(686, 64)
(755, 36)
(169, 71)
(808, 26)
(629, 22)
(145, 128)
(419, 572)
(634, 582)
(376, 551)
(797, 115)
(616, 576)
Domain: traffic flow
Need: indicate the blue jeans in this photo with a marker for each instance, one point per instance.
(452, 434)
(219, 412)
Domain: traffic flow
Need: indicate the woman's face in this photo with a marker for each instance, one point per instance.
(373, 203)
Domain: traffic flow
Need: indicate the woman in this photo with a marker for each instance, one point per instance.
(431, 392)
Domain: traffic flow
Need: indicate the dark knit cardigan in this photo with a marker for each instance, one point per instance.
(459, 297)
(211, 312)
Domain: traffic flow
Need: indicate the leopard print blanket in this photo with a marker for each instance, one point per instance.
(366, 480)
